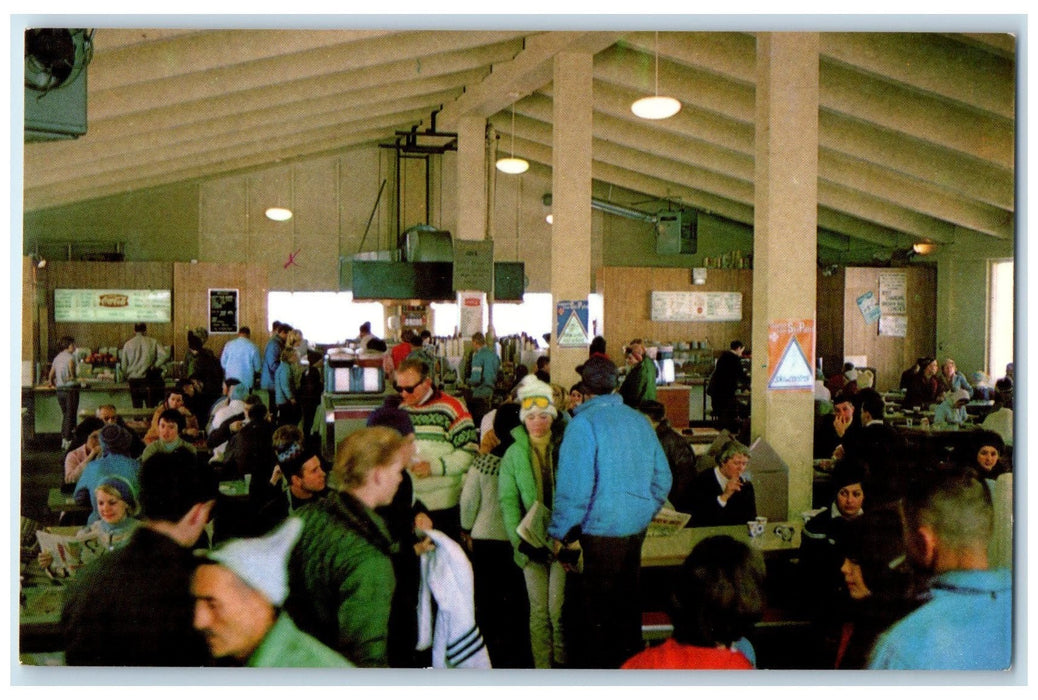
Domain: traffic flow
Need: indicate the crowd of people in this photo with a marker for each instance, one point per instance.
(435, 539)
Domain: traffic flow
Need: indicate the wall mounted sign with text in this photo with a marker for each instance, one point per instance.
(790, 345)
(112, 305)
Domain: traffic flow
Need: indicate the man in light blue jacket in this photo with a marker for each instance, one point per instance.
(613, 477)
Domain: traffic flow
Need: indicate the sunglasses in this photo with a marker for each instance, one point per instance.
(538, 401)
(406, 389)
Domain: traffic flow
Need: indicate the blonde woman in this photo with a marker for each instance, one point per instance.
(527, 476)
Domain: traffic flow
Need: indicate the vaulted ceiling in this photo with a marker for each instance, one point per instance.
(916, 131)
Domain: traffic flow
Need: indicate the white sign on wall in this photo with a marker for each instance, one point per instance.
(696, 306)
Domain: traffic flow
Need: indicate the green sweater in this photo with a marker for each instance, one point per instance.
(341, 578)
(286, 646)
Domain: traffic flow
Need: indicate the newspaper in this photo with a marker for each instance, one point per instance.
(667, 522)
(534, 526)
(70, 552)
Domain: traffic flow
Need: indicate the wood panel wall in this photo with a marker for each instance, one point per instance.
(890, 356)
(829, 320)
(102, 275)
(627, 305)
(191, 285)
(189, 282)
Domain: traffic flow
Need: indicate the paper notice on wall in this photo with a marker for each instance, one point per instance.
(892, 293)
(894, 326)
(869, 307)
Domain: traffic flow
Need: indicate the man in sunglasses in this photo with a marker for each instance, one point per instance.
(445, 444)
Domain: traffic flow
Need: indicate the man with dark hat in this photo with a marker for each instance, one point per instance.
(612, 479)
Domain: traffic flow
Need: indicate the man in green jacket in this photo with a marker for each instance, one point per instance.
(239, 589)
(640, 383)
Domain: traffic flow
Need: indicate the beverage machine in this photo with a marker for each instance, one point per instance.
(354, 386)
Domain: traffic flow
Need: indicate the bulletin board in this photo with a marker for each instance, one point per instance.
(696, 306)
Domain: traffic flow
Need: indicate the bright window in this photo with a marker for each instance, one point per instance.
(329, 318)
(1000, 318)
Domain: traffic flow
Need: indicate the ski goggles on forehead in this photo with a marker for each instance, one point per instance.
(535, 402)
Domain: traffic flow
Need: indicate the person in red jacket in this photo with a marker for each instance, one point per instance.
(718, 597)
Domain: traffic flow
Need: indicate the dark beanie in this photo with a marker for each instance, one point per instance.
(599, 375)
(115, 439)
(391, 416)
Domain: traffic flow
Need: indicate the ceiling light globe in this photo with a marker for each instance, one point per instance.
(278, 214)
(656, 107)
(513, 165)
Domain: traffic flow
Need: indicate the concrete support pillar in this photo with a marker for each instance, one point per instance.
(785, 240)
(472, 178)
(472, 182)
(571, 198)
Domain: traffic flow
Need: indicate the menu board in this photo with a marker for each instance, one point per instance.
(696, 306)
(112, 305)
(223, 310)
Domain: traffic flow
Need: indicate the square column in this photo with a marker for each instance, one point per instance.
(785, 241)
(571, 197)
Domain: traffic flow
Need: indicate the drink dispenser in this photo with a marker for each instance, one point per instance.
(665, 362)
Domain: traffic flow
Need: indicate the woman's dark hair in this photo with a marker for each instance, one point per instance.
(598, 344)
(875, 542)
(718, 594)
(506, 418)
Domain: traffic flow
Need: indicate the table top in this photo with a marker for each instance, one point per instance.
(59, 502)
(672, 550)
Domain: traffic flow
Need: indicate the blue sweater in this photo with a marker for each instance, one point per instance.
(613, 475)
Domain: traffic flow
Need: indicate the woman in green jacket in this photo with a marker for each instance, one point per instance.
(527, 477)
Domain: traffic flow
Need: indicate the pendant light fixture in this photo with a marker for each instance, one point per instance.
(512, 165)
(278, 214)
(658, 106)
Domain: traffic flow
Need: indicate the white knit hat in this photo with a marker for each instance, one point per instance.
(262, 562)
(531, 391)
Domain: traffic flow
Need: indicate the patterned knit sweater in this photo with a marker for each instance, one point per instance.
(446, 438)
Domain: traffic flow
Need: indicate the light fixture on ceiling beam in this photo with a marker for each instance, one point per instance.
(657, 106)
(512, 165)
(925, 247)
(278, 213)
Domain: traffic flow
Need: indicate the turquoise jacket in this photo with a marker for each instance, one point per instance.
(286, 646)
(516, 485)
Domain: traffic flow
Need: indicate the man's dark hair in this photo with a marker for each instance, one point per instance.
(653, 409)
(598, 344)
(718, 593)
(244, 330)
(65, 341)
(171, 483)
(365, 327)
(844, 398)
(172, 415)
(415, 363)
(542, 361)
(140, 328)
(377, 345)
(872, 401)
(256, 412)
(232, 381)
(736, 344)
(293, 466)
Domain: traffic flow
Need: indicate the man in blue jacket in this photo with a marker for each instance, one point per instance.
(613, 477)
